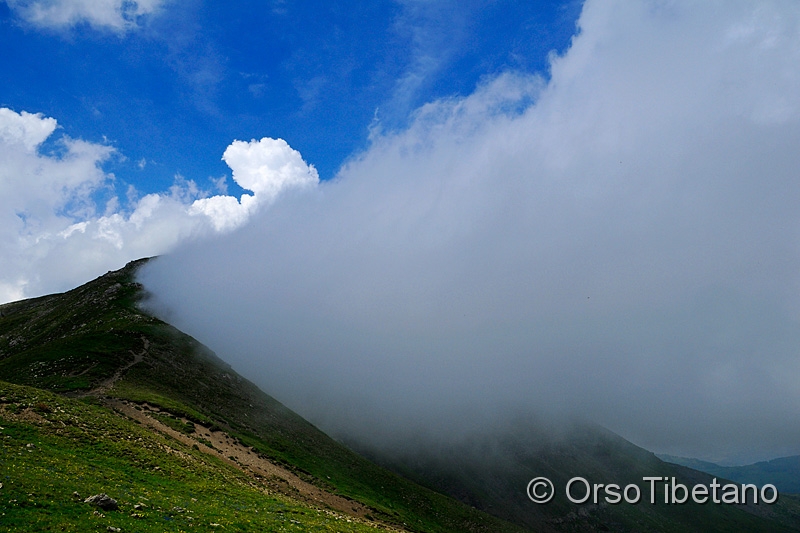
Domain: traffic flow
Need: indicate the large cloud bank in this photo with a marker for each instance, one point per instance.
(62, 222)
(624, 247)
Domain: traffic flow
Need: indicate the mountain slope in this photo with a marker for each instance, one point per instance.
(57, 451)
(123, 375)
(94, 341)
(488, 471)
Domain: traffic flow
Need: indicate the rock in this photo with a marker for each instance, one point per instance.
(103, 501)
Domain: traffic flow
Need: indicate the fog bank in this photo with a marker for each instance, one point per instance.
(618, 241)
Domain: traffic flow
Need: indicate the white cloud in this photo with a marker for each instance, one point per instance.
(24, 129)
(266, 167)
(115, 15)
(626, 247)
(55, 236)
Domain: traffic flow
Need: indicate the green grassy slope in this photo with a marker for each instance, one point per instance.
(57, 451)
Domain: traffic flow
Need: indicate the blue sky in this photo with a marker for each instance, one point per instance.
(487, 207)
(176, 87)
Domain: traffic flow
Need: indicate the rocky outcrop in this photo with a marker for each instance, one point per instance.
(103, 501)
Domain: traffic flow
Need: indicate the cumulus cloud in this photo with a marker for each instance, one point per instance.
(61, 221)
(625, 247)
(114, 15)
(265, 167)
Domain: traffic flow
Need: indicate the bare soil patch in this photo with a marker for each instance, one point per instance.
(269, 475)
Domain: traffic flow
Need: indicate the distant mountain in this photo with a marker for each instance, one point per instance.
(784, 472)
(100, 397)
(487, 472)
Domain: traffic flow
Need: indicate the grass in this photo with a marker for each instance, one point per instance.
(161, 485)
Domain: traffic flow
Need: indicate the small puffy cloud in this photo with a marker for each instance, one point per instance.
(53, 233)
(266, 167)
(115, 15)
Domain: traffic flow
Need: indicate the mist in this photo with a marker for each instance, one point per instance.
(616, 241)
